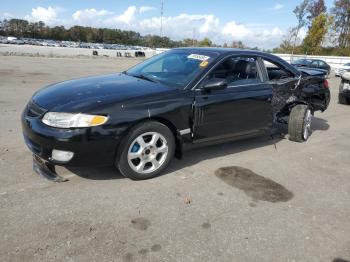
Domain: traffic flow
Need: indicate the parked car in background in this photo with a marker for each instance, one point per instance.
(342, 69)
(139, 119)
(344, 89)
(314, 64)
(71, 44)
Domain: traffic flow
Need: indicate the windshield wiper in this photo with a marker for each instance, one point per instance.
(144, 77)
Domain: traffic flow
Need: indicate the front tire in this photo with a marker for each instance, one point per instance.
(299, 125)
(146, 151)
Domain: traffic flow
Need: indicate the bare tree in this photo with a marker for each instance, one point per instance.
(341, 14)
(315, 8)
(300, 12)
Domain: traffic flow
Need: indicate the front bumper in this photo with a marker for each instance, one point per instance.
(344, 92)
(94, 146)
(46, 169)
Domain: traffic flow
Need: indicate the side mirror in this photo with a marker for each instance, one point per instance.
(215, 84)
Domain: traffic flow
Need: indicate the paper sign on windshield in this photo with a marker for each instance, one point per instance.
(199, 57)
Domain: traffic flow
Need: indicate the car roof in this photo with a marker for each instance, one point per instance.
(310, 59)
(233, 51)
(222, 50)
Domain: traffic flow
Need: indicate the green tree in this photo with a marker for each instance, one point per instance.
(205, 42)
(318, 30)
(189, 42)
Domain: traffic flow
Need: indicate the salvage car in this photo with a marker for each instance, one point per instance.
(139, 119)
(344, 89)
(342, 69)
(314, 64)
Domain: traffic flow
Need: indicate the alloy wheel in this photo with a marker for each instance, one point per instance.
(147, 152)
(307, 124)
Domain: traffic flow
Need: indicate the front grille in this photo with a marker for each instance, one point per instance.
(33, 110)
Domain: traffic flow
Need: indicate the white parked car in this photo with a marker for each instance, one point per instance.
(342, 69)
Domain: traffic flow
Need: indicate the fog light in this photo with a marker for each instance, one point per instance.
(62, 156)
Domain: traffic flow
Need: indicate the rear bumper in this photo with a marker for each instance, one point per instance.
(91, 146)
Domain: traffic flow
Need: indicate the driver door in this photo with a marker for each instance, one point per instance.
(241, 108)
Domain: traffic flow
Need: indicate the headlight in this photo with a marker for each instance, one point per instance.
(68, 120)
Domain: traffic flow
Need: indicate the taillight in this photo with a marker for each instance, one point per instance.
(326, 84)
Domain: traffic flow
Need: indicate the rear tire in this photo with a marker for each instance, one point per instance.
(146, 151)
(299, 124)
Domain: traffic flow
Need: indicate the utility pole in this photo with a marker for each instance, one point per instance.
(161, 19)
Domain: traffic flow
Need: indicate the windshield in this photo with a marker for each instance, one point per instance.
(175, 68)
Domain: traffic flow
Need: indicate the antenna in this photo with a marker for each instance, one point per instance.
(161, 19)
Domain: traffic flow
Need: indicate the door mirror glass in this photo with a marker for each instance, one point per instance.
(215, 84)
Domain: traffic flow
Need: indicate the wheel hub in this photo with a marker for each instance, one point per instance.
(147, 152)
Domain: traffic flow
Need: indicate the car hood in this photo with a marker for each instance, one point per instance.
(344, 67)
(346, 76)
(81, 94)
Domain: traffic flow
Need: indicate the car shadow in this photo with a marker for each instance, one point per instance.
(197, 155)
(319, 124)
(340, 260)
(96, 173)
(191, 157)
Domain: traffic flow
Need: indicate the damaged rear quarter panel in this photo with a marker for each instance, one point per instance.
(288, 92)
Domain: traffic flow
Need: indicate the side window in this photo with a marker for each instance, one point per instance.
(276, 72)
(314, 64)
(322, 64)
(237, 71)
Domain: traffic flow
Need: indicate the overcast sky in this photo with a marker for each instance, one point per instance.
(256, 23)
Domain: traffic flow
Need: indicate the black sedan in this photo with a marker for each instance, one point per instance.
(139, 119)
(314, 64)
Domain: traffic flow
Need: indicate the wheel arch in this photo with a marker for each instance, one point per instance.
(285, 111)
(175, 131)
